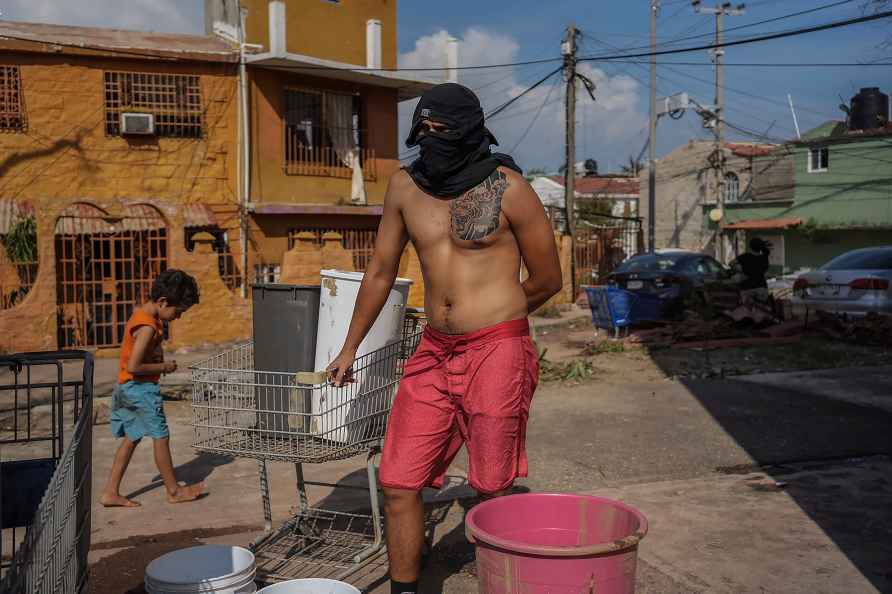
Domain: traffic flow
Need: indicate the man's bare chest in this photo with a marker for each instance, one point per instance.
(473, 220)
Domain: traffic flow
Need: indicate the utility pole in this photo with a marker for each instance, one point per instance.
(568, 50)
(652, 139)
(720, 11)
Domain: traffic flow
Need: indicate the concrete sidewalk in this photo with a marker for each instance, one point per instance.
(811, 521)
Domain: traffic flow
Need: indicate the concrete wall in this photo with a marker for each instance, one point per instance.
(816, 248)
(685, 183)
(65, 152)
(302, 263)
(269, 181)
(855, 191)
(328, 30)
(64, 156)
(221, 317)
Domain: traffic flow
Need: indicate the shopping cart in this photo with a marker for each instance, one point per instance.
(45, 471)
(302, 419)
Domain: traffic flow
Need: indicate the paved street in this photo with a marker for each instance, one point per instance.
(753, 484)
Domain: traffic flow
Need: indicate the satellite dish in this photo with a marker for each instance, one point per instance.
(716, 214)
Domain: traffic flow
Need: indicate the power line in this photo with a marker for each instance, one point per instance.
(760, 38)
(756, 39)
(533, 121)
(769, 64)
(750, 25)
(511, 101)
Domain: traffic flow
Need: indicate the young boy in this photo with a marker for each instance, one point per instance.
(137, 407)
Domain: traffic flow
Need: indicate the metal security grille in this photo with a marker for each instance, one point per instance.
(12, 111)
(603, 245)
(174, 100)
(320, 129)
(360, 242)
(104, 269)
(45, 472)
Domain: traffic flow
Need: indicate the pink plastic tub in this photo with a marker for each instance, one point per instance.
(555, 544)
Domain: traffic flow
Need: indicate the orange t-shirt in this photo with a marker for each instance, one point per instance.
(137, 320)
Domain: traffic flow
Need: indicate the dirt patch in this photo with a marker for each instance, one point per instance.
(123, 571)
(617, 361)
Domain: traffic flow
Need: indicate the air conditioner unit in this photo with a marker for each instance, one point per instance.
(137, 123)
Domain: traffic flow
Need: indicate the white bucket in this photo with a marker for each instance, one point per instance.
(310, 586)
(333, 408)
(205, 569)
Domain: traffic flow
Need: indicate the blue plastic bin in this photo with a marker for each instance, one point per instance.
(611, 307)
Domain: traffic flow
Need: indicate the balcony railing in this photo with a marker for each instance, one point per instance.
(324, 162)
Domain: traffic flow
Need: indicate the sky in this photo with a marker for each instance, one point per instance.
(613, 127)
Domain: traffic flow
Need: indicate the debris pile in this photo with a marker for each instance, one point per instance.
(873, 329)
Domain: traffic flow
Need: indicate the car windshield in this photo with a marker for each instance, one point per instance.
(862, 260)
(652, 263)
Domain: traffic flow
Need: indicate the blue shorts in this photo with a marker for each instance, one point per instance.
(138, 411)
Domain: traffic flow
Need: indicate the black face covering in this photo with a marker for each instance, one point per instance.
(454, 160)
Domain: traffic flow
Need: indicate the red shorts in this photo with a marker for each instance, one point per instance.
(473, 388)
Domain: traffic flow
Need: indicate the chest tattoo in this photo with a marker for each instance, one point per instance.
(475, 214)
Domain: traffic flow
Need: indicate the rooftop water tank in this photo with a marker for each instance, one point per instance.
(870, 109)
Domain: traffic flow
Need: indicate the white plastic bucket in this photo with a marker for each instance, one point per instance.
(205, 569)
(310, 586)
(335, 409)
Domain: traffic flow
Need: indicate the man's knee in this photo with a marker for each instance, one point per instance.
(400, 500)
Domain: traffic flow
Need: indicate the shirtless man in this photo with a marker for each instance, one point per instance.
(471, 217)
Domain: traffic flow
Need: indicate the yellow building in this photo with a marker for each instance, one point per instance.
(322, 122)
(133, 152)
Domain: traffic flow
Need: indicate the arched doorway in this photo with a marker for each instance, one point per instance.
(104, 267)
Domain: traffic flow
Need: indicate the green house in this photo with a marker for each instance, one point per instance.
(820, 196)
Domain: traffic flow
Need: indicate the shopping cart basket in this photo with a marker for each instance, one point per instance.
(45, 471)
(304, 420)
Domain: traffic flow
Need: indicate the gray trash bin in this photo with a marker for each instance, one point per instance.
(285, 320)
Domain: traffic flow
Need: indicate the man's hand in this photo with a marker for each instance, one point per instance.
(170, 366)
(340, 371)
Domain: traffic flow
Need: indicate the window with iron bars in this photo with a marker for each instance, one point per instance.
(359, 242)
(323, 134)
(173, 99)
(12, 106)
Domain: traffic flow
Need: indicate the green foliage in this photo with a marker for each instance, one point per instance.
(604, 346)
(576, 370)
(21, 241)
(815, 232)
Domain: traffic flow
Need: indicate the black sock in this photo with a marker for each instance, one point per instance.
(403, 587)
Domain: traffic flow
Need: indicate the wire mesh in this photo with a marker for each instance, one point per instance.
(239, 411)
(45, 485)
(316, 543)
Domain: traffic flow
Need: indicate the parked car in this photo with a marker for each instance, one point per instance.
(854, 283)
(671, 276)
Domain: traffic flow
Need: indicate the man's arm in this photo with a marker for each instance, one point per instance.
(378, 279)
(535, 238)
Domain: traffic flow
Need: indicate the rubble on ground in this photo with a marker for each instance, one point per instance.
(872, 329)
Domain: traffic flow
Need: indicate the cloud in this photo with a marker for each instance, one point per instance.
(608, 129)
(173, 16)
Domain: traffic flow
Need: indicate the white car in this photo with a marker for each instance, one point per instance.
(855, 283)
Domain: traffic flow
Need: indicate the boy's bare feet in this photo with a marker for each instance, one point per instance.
(116, 500)
(187, 493)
